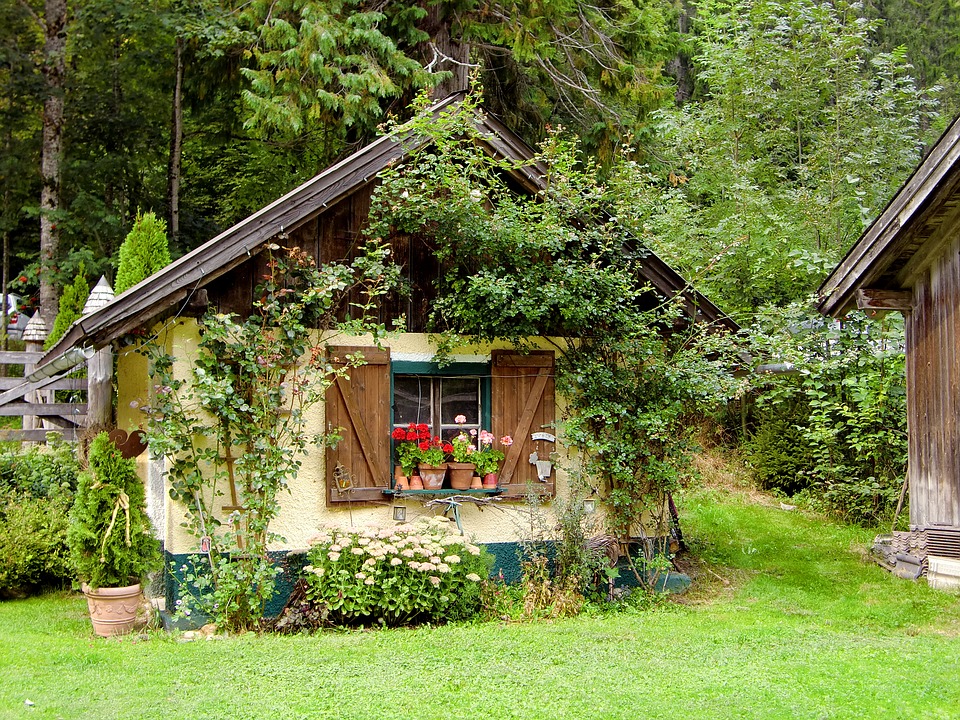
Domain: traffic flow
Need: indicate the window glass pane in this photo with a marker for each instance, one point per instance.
(459, 396)
(412, 400)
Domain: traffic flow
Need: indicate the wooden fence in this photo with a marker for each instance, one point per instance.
(35, 404)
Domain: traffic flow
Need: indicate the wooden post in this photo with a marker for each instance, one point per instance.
(100, 366)
(34, 336)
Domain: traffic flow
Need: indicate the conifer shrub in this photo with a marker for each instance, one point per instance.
(779, 453)
(110, 538)
(143, 252)
(72, 300)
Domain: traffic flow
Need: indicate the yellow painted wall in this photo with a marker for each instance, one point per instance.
(303, 508)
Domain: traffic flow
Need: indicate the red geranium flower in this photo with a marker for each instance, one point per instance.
(425, 445)
(399, 434)
(411, 435)
(447, 448)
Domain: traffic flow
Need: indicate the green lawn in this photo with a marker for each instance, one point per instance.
(806, 627)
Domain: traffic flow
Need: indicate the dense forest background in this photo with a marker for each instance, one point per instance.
(747, 142)
(757, 138)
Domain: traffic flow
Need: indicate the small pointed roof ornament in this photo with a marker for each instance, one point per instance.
(36, 330)
(102, 294)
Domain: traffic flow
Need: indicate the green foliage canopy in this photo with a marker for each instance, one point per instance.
(558, 264)
(72, 300)
(799, 135)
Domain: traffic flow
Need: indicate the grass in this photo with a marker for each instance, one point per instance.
(788, 619)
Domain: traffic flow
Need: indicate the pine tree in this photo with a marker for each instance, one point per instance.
(143, 252)
(72, 300)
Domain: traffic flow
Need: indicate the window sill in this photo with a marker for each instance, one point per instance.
(444, 492)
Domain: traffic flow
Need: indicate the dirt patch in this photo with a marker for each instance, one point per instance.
(709, 583)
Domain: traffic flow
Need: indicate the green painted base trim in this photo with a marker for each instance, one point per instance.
(507, 560)
(291, 564)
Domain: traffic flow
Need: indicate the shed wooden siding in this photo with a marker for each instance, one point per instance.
(334, 236)
(933, 397)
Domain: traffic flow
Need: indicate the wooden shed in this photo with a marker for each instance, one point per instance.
(908, 261)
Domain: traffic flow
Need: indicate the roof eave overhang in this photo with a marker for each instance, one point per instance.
(878, 246)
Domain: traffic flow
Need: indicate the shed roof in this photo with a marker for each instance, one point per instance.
(904, 239)
(176, 283)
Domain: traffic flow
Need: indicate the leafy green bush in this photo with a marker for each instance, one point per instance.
(36, 491)
(405, 574)
(110, 538)
(40, 472)
(848, 429)
(33, 545)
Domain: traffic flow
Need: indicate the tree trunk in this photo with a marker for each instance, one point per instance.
(4, 320)
(55, 20)
(176, 149)
(445, 53)
(681, 67)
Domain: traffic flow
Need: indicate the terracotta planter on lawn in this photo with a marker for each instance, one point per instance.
(113, 611)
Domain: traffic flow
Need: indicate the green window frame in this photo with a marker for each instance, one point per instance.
(433, 376)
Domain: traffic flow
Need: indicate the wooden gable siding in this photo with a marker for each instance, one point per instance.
(335, 236)
(933, 393)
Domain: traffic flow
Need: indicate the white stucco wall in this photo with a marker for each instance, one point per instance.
(304, 508)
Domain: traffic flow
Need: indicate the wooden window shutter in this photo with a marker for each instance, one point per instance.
(523, 402)
(358, 468)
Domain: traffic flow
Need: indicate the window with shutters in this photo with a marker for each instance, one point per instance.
(512, 395)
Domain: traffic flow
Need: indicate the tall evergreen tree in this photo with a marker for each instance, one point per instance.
(144, 251)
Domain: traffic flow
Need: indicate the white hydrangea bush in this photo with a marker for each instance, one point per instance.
(413, 572)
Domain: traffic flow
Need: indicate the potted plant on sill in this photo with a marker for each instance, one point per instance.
(433, 469)
(111, 542)
(406, 441)
(488, 460)
(461, 452)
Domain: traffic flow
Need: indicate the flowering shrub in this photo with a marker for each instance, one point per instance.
(434, 451)
(410, 573)
(462, 447)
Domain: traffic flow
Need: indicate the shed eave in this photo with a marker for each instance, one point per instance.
(879, 246)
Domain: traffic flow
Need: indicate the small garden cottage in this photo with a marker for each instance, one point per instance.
(491, 388)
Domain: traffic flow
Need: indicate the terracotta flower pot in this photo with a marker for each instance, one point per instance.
(490, 481)
(432, 476)
(399, 479)
(461, 475)
(476, 483)
(113, 611)
(416, 483)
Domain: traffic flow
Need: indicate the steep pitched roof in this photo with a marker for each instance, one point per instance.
(905, 237)
(176, 283)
